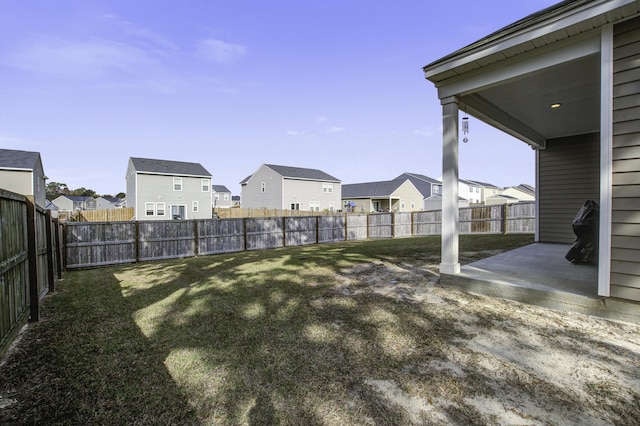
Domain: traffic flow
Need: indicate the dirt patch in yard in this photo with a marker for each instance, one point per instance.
(510, 363)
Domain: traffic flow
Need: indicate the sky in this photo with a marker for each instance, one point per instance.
(335, 85)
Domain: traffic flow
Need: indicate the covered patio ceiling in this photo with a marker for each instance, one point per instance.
(524, 106)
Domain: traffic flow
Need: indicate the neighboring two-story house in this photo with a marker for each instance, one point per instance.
(163, 189)
(291, 188)
(383, 196)
(429, 188)
(106, 203)
(72, 203)
(22, 172)
(221, 196)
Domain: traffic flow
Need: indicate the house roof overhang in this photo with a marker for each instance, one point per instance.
(511, 78)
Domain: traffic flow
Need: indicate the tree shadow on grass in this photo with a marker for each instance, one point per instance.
(87, 362)
(252, 338)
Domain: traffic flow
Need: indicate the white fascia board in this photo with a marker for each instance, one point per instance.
(519, 66)
(174, 174)
(548, 26)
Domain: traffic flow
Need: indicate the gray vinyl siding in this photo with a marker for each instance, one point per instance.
(252, 195)
(569, 174)
(625, 221)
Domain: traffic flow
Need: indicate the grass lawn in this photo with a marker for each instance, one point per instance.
(265, 337)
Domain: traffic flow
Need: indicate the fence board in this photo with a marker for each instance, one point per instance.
(331, 228)
(357, 226)
(14, 282)
(402, 224)
(521, 218)
(27, 268)
(98, 244)
(300, 231)
(427, 223)
(220, 236)
(264, 233)
(166, 239)
(380, 225)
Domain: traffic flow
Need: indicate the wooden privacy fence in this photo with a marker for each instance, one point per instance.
(237, 212)
(103, 215)
(109, 243)
(30, 262)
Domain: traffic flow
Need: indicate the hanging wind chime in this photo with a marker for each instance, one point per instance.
(465, 128)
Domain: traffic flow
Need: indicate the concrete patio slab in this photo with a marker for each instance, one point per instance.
(539, 274)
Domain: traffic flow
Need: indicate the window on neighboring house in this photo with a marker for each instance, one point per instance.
(149, 209)
(195, 206)
(216, 196)
(295, 206)
(177, 184)
(413, 204)
(402, 204)
(226, 196)
(436, 189)
(160, 209)
(327, 187)
(314, 206)
(205, 185)
(262, 186)
(331, 206)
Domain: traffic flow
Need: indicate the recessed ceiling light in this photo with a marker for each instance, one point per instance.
(556, 105)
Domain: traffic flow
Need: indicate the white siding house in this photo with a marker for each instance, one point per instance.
(163, 189)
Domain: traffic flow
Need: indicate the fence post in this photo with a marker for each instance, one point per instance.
(50, 271)
(32, 247)
(317, 229)
(137, 240)
(195, 237)
(346, 226)
(284, 231)
(393, 224)
(244, 231)
(505, 213)
(59, 250)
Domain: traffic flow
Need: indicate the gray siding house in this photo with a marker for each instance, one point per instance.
(21, 172)
(221, 196)
(71, 203)
(566, 81)
(291, 188)
(164, 190)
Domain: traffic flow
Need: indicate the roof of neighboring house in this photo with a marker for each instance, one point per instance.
(297, 173)
(49, 205)
(421, 182)
(371, 189)
(168, 167)
(526, 188)
(416, 176)
(506, 197)
(113, 199)
(13, 159)
(219, 188)
(486, 185)
(78, 197)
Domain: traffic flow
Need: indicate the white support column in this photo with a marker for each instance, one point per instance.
(450, 222)
(606, 150)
